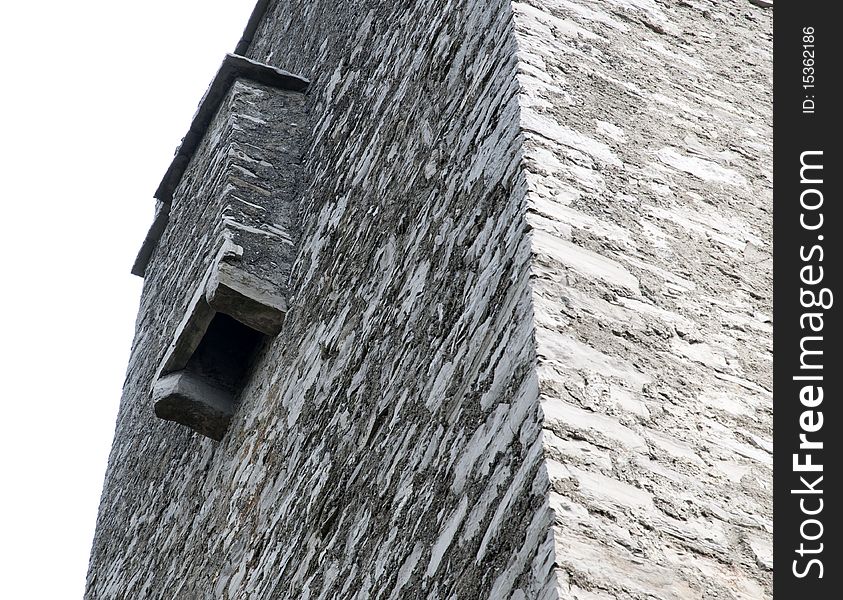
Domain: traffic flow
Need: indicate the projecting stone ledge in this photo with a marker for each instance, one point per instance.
(233, 68)
(252, 301)
(190, 400)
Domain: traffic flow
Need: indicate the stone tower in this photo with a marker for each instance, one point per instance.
(458, 299)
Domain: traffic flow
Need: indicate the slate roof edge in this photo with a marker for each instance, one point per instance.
(251, 27)
(156, 230)
(233, 67)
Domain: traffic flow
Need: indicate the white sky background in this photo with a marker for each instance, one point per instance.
(94, 98)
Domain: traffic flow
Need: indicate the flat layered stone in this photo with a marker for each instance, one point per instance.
(527, 350)
(234, 68)
(252, 301)
(187, 399)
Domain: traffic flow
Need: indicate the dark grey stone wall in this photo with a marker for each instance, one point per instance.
(388, 443)
(527, 353)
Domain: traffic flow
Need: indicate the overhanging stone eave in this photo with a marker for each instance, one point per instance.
(251, 27)
(233, 67)
(156, 230)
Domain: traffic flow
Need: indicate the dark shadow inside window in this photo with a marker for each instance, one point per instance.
(226, 353)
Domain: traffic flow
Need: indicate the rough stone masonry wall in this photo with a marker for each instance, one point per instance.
(153, 464)
(648, 146)
(391, 444)
(388, 445)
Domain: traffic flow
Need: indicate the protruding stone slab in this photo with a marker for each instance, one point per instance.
(235, 67)
(250, 300)
(192, 401)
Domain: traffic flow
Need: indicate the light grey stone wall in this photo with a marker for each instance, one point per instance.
(528, 347)
(648, 150)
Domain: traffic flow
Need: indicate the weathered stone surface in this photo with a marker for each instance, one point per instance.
(387, 444)
(249, 72)
(526, 352)
(648, 156)
(187, 399)
(250, 300)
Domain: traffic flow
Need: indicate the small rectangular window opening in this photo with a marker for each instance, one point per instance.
(205, 394)
(226, 353)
